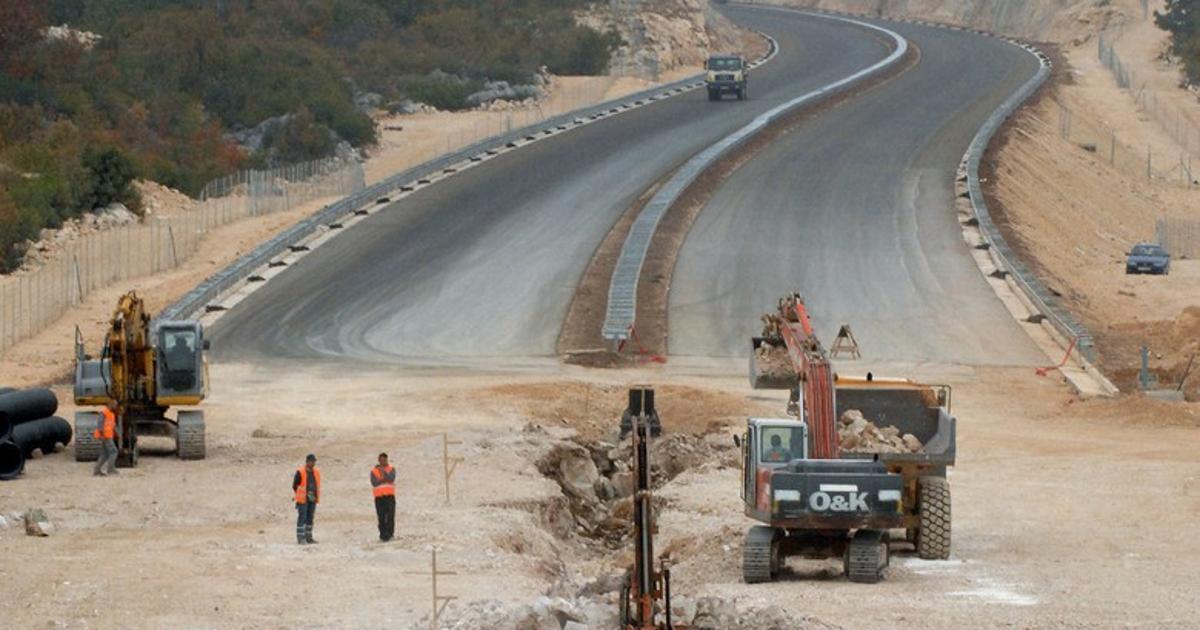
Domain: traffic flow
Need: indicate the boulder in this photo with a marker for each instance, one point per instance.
(714, 613)
(36, 523)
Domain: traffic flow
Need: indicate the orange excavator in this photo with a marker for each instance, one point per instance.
(815, 500)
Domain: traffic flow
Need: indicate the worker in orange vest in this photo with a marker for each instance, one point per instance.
(383, 484)
(106, 432)
(306, 486)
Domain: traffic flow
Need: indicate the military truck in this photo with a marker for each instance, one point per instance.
(726, 74)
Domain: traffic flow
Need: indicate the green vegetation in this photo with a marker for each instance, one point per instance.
(157, 95)
(1182, 19)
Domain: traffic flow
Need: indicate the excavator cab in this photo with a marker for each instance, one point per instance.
(180, 363)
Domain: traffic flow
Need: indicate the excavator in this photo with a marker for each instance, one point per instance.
(146, 367)
(815, 500)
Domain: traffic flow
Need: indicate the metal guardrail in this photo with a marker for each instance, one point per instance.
(208, 291)
(621, 312)
(1044, 301)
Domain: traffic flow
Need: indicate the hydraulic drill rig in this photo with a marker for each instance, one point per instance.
(145, 367)
(646, 587)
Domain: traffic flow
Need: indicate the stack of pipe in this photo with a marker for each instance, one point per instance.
(28, 423)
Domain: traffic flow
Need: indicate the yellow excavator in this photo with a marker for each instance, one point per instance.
(146, 366)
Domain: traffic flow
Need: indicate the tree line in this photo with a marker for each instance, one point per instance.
(161, 90)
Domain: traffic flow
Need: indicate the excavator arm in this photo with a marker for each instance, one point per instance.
(803, 366)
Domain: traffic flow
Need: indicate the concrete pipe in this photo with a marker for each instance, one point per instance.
(29, 404)
(45, 433)
(12, 460)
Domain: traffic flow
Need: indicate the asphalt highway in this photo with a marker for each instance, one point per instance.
(855, 210)
(484, 264)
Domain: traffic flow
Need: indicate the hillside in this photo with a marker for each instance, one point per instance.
(184, 91)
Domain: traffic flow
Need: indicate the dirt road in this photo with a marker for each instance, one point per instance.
(1064, 515)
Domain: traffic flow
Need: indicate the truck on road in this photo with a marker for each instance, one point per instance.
(726, 74)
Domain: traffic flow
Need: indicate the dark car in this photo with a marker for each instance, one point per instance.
(1148, 258)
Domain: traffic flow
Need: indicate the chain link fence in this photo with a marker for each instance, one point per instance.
(1174, 120)
(1132, 159)
(31, 301)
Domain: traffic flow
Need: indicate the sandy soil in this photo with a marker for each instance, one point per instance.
(1075, 216)
(1031, 549)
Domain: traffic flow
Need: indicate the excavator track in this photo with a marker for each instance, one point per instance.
(866, 556)
(87, 447)
(759, 560)
(189, 435)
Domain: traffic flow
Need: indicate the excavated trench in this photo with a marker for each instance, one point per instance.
(598, 484)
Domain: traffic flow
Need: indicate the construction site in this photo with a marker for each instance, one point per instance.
(807, 314)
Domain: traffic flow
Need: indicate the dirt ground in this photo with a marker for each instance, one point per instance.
(1075, 216)
(210, 543)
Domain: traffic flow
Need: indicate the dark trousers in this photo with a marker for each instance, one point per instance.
(385, 509)
(304, 521)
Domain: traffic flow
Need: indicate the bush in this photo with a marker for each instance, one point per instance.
(297, 139)
(448, 93)
(108, 178)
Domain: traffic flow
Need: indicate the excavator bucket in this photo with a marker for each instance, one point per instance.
(770, 367)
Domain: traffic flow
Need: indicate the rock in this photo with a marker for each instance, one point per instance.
(623, 484)
(683, 608)
(602, 585)
(604, 489)
(579, 471)
(912, 443)
(714, 613)
(36, 523)
(851, 415)
(575, 625)
(560, 609)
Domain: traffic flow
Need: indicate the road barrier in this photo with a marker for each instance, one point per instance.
(1041, 298)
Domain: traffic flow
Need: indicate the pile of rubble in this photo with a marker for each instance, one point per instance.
(598, 484)
(51, 242)
(159, 200)
(859, 435)
(772, 362)
(599, 611)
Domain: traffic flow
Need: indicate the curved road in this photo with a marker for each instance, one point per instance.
(485, 263)
(854, 208)
(859, 217)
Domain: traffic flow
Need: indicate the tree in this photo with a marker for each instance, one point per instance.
(1182, 20)
(109, 173)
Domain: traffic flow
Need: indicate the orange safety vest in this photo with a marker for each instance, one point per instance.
(302, 489)
(107, 430)
(385, 489)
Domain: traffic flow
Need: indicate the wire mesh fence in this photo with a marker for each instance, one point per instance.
(31, 301)
(1180, 237)
(1133, 159)
(1174, 120)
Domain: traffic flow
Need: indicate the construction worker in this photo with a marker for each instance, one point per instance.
(106, 432)
(383, 485)
(777, 453)
(306, 485)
